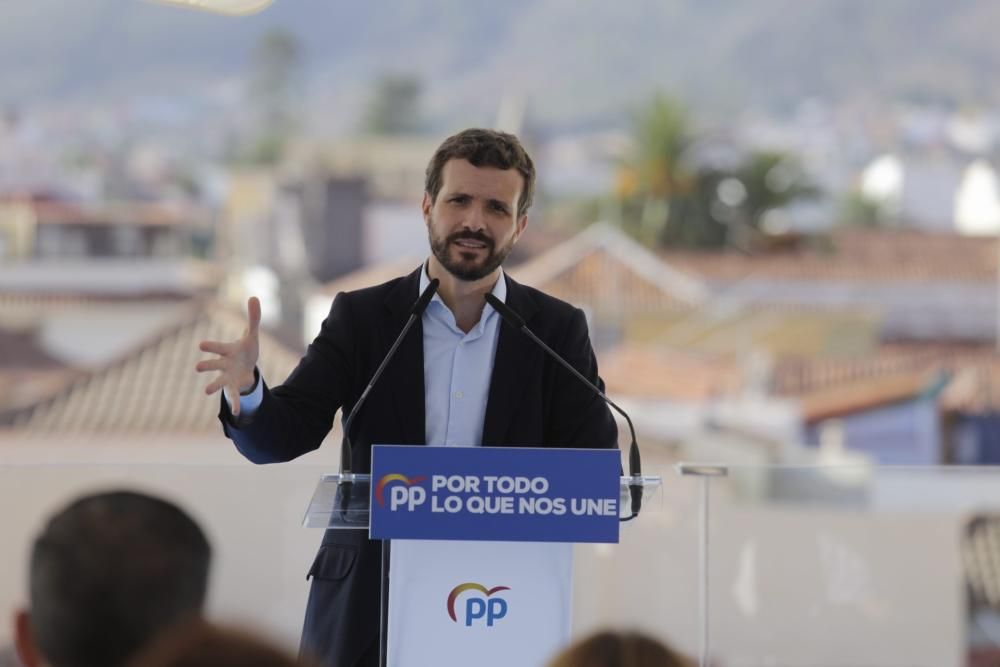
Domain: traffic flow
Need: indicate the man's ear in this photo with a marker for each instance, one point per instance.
(521, 224)
(426, 206)
(24, 640)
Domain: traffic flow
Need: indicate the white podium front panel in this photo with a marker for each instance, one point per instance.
(490, 604)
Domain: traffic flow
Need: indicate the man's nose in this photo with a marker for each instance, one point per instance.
(475, 219)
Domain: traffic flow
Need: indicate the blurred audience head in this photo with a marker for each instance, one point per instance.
(619, 649)
(203, 645)
(107, 573)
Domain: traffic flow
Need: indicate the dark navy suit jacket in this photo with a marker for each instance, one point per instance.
(532, 402)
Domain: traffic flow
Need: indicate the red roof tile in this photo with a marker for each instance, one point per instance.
(855, 256)
(154, 388)
(863, 395)
(974, 370)
(673, 375)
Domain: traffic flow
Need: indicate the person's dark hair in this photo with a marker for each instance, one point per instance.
(199, 644)
(619, 649)
(484, 148)
(110, 571)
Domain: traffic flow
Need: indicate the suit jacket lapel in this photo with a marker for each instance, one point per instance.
(515, 356)
(405, 372)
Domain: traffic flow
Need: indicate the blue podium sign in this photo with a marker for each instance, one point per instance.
(493, 493)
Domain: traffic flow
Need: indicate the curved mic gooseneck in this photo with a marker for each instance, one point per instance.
(634, 459)
(346, 462)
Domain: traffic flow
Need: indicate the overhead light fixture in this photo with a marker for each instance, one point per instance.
(231, 7)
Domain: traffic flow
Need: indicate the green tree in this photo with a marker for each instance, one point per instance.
(772, 180)
(655, 178)
(696, 220)
(662, 139)
(857, 210)
(274, 84)
(767, 182)
(665, 199)
(394, 107)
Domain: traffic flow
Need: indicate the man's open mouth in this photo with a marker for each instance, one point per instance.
(469, 243)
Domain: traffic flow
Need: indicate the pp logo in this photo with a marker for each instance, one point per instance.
(483, 607)
(400, 495)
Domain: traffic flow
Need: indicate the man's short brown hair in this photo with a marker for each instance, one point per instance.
(484, 148)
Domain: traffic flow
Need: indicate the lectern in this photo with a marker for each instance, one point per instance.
(480, 569)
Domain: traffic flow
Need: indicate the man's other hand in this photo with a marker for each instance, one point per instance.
(234, 361)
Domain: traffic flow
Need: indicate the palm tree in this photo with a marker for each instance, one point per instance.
(655, 175)
(770, 180)
(667, 200)
(277, 60)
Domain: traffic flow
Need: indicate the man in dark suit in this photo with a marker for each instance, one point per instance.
(460, 378)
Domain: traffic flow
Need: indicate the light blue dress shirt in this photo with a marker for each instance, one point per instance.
(457, 371)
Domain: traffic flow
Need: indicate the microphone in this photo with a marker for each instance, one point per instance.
(415, 312)
(634, 460)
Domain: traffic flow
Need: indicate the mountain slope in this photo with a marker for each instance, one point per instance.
(574, 59)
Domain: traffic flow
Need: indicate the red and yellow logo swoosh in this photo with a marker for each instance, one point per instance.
(461, 588)
(393, 477)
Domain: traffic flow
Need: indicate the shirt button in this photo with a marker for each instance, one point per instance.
(459, 394)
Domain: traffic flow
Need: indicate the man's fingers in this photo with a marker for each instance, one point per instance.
(206, 365)
(253, 315)
(215, 347)
(234, 399)
(216, 385)
(229, 358)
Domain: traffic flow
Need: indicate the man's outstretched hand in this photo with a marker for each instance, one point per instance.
(234, 361)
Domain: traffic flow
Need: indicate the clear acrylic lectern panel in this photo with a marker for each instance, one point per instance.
(852, 566)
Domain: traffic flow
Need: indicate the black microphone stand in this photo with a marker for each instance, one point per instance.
(634, 459)
(346, 457)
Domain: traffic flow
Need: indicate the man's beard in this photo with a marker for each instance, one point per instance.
(468, 269)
